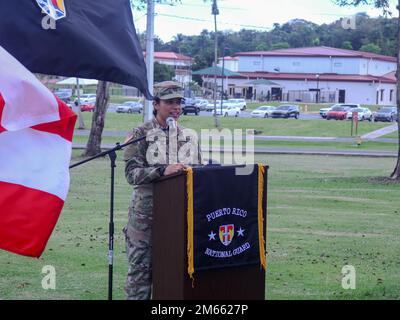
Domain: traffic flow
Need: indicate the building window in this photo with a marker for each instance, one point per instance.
(382, 91)
(391, 95)
(337, 64)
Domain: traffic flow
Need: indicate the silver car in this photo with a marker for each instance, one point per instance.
(130, 107)
(262, 112)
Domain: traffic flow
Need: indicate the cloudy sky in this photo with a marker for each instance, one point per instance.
(192, 16)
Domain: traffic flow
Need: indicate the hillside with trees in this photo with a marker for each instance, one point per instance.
(376, 35)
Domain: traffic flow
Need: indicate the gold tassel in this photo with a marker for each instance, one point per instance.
(190, 231)
(261, 241)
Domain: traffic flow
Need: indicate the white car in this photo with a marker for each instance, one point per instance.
(228, 111)
(262, 112)
(241, 103)
(201, 103)
(363, 114)
(87, 98)
(225, 103)
(324, 111)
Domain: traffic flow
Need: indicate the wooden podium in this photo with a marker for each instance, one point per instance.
(170, 278)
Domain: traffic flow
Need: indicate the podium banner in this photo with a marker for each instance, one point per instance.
(225, 218)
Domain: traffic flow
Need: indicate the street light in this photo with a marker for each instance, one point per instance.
(317, 76)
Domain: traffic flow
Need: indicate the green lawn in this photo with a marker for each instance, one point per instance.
(273, 127)
(323, 213)
(366, 145)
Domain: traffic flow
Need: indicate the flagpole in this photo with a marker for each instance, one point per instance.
(148, 106)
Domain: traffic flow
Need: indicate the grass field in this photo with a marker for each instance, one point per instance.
(273, 127)
(324, 213)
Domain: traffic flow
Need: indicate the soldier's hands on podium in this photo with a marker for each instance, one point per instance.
(174, 168)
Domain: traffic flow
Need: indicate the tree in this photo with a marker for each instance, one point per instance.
(347, 45)
(280, 45)
(384, 5)
(93, 145)
(371, 47)
(162, 72)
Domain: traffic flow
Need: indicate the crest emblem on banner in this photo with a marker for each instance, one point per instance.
(226, 233)
(53, 8)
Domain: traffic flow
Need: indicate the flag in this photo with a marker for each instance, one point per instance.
(90, 39)
(36, 130)
(226, 214)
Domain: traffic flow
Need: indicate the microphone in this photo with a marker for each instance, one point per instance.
(171, 123)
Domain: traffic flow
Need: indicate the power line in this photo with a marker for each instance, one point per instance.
(205, 20)
(198, 5)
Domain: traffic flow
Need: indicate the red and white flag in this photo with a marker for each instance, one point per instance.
(36, 130)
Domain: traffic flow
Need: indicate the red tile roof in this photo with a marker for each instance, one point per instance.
(390, 76)
(312, 77)
(318, 52)
(170, 56)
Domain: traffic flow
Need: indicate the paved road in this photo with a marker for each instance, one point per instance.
(380, 132)
(244, 114)
(297, 151)
(108, 133)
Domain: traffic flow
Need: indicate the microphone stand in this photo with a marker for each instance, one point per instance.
(113, 156)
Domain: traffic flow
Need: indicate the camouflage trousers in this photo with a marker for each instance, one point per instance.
(138, 251)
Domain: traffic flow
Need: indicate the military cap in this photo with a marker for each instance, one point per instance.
(168, 90)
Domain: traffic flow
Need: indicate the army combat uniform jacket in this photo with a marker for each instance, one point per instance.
(145, 162)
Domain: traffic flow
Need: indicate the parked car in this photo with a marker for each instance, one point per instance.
(338, 112)
(386, 113)
(363, 114)
(129, 107)
(64, 94)
(189, 106)
(349, 105)
(262, 112)
(210, 105)
(286, 111)
(87, 98)
(324, 111)
(87, 107)
(241, 103)
(228, 111)
(201, 103)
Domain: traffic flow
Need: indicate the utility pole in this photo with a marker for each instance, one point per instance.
(222, 79)
(80, 117)
(148, 105)
(215, 12)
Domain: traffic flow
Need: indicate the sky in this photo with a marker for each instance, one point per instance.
(190, 17)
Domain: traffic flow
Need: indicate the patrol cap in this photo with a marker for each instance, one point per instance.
(168, 90)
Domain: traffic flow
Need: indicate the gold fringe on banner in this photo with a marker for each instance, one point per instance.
(261, 241)
(190, 224)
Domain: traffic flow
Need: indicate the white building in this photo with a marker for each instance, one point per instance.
(230, 63)
(180, 63)
(316, 74)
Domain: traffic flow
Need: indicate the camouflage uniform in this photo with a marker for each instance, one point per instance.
(140, 173)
